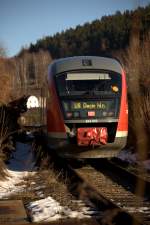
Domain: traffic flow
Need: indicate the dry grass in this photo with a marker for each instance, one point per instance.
(5, 97)
(6, 132)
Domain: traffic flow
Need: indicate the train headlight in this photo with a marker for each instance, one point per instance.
(114, 88)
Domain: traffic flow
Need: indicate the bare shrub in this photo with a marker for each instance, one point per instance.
(138, 71)
(31, 68)
(135, 59)
(2, 50)
(6, 121)
(5, 83)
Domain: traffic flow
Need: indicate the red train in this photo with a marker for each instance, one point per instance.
(87, 112)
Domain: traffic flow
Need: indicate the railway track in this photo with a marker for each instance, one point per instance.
(123, 177)
(133, 178)
(116, 194)
(112, 201)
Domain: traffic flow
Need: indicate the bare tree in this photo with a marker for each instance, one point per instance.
(2, 50)
(5, 82)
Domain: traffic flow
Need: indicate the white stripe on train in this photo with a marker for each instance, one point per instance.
(121, 133)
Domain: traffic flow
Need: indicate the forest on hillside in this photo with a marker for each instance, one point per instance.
(102, 36)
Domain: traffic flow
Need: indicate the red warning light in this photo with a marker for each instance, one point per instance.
(91, 113)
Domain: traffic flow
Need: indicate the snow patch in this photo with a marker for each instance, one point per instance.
(9, 186)
(139, 209)
(133, 159)
(49, 209)
(127, 156)
(19, 167)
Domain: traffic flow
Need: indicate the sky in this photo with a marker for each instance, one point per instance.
(25, 21)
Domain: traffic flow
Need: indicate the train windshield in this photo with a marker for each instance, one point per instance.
(88, 83)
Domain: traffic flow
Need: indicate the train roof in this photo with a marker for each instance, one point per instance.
(84, 63)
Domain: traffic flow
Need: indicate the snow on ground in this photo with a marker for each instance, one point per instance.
(127, 156)
(50, 210)
(46, 209)
(19, 167)
(132, 158)
(9, 186)
(136, 209)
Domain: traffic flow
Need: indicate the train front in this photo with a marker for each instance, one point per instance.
(87, 113)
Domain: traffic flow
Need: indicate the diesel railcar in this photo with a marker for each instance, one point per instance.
(87, 112)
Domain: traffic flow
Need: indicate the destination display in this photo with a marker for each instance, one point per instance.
(101, 105)
(88, 105)
(89, 109)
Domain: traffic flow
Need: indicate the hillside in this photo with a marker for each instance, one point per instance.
(102, 36)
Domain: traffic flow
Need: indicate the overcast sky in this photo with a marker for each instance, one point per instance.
(25, 21)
